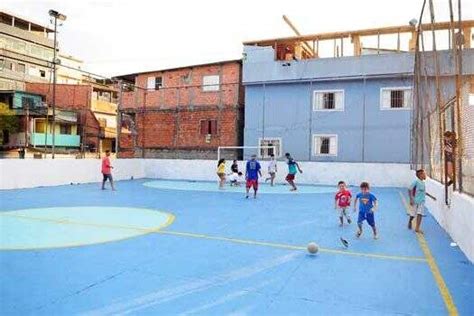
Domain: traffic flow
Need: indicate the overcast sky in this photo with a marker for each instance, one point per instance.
(123, 36)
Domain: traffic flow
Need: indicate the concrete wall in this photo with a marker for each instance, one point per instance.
(388, 175)
(457, 219)
(260, 66)
(29, 173)
(365, 132)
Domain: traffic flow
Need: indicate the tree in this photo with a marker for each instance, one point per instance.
(9, 121)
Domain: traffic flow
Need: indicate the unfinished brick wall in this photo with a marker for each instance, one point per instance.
(168, 120)
(74, 98)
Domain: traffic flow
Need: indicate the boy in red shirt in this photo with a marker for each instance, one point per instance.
(107, 170)
(342, 202)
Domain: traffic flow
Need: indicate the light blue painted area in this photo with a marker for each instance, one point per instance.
(183, 272)
(212, 187)
(279, 103)
(260, 67)
(40, 228)
(21, 100)
(365, 132)
(62, 140)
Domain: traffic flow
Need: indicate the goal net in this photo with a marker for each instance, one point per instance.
(243, 153)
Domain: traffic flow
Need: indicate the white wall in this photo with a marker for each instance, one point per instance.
(393, 175)
(29, 173)
(457, 219)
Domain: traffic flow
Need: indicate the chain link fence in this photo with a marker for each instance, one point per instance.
(443, 111)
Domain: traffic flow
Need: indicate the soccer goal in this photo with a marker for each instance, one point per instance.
(242, 153)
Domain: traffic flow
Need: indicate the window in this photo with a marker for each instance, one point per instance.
(209, 127)
(65, 129)
(158, 83)
(267, 142)
(40, 127)
(395, 98)
(210, 83)
(20, 68)
(42, 73)
(154, 83)
(328, 100)
(325, 145)
(27, 102)
(471, 99)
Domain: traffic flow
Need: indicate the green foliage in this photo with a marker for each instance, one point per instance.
(8, 120)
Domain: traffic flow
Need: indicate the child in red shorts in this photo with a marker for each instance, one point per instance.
(343, 202)
(252, 171)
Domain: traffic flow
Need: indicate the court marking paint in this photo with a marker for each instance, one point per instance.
(34, 236)
(183, 185)
(442, 287)
(171, 218)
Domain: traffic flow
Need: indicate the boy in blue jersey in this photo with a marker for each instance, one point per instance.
(417, 194)
(367, 207)
(252, 171)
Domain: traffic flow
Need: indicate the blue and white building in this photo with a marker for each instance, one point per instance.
(341, 109)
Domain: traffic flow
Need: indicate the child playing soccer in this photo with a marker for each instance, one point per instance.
(221, 173)
(235, 179)
(292, 166)
(367, 207)
(417, 194)
(234, 168)
(252, 171)
(343, 202)
(272, 170)
(107, 171)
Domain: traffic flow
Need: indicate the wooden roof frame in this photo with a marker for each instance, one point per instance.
(355, 33)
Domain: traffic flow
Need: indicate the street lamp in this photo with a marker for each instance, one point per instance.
(56, 16)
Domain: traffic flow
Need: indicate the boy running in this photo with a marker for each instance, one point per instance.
(292, 166)
(367, 207)
(234, 168)
(107, 170)
(417, 194)
(343, 202)
(272, 170)
(252, 171)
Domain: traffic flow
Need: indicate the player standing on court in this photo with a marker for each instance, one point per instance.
(252, 171)
(292, 167)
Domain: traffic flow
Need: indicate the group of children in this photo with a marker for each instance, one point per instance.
(368, 204)
(253, 172)
(365, 201)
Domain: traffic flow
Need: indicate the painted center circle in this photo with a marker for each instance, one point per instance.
(213, 187)
(58, 227)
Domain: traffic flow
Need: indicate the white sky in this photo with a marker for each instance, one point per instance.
(125, 36)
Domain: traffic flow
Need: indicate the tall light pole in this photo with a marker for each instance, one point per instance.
(56, 16)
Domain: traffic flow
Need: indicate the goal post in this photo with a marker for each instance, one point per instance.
(244, 152)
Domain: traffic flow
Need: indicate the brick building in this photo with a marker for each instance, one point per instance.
(96, 108)
(183, 112)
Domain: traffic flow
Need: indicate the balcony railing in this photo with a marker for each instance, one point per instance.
(61, 140)
(103, 106)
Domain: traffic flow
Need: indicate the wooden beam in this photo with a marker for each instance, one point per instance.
(412, 43)
(467, 37)
(356, 41)
(293, 27)
(364, 32)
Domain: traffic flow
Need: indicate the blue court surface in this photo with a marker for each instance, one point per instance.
(175, 247)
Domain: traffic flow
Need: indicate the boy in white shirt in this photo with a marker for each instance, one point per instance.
(272, 169)
(235, 179)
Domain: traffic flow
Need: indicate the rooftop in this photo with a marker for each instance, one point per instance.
(7, 18)
(131, 77)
